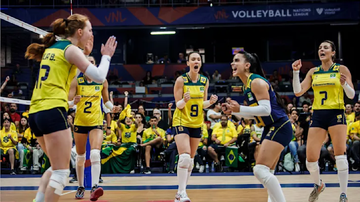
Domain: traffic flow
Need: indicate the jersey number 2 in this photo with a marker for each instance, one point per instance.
(325, 98)
(43, 78)
(88, 105)
(194, 110)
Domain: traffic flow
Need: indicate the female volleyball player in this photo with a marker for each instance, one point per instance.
(329, 81)
(190, 92)
(89, 121)
(49, 102)
(266, 107)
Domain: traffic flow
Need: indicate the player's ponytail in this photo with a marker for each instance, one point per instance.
(62, 27)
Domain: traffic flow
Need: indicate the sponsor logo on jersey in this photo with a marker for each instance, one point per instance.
(333, 75)
(202, 89)
(250, 97)
(97, 88)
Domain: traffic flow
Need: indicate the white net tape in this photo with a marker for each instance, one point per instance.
(26, 26)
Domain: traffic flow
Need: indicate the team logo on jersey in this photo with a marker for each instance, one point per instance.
(339, 117)
(250, 97)
(181, 128)
(332, 75)
(336, 68)
(97, 88)
(81, 80)
(203, 80)
(202, 89)
(185, 80)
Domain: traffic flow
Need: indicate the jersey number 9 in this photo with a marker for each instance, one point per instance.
(88, 105)
(194, 110)
(325, 98)
(43, 78)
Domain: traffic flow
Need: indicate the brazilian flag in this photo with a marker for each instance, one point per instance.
(232, 156)
(45, 163)
(27, 158)
(118, 159)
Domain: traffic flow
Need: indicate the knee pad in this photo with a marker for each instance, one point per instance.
(80, 159)
(95, 155)
(184, 161)
(262, 173)
(58, 180)
(191, 165)
(312, 166)
(341, 162)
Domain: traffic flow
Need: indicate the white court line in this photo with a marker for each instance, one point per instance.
(68, 192)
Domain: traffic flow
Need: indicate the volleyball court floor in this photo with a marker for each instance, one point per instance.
(209, 187)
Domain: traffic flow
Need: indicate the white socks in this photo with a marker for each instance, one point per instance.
(80, 163)
(343, 172)
(313, 168)
(262, 173)
(40, 197)
(95, 166)
(269, 197)
(183, 171)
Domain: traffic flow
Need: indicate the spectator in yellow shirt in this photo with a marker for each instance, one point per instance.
(8, 140)
(225, 136)
(108, 139)
(355, 136)
(152, 137)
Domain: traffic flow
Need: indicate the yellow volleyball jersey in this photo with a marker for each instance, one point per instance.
(128, 133)
(5, 140)
(350, 118)
(88, 111)
(55, 75)
(192, 114)
(12, 127)
(328, 92)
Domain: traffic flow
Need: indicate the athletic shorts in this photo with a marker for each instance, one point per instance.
(192, 132)
(281, 131)
(48, 121)
(85, 129)
(327, 118)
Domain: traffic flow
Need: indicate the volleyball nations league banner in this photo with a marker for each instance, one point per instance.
(140, 16)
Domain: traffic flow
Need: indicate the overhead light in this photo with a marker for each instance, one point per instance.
(162, 27)
(162, 32)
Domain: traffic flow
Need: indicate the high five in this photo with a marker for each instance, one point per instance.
(329, 81)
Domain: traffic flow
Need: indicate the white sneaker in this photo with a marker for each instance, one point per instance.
(197, 166)
(202, 168)
(181, 198)
(297, 167)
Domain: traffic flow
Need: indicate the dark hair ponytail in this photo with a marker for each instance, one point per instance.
(255, 67)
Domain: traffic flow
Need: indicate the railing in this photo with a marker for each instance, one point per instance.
(140, 3)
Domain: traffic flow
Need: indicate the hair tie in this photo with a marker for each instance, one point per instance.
(66, 21)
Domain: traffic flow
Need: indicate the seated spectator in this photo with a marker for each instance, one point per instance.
(8, 142)
(14, 115)
(31, 146)
(152, 137)
(355, 137)
(164, 60)
(202, 149)
(293, 145)
(216, 76)
(162, 123)
(12, 124)
(109, 139)
(171, 150)
(223, 136)
(181, 59)
(304, 99)
(148, 78)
